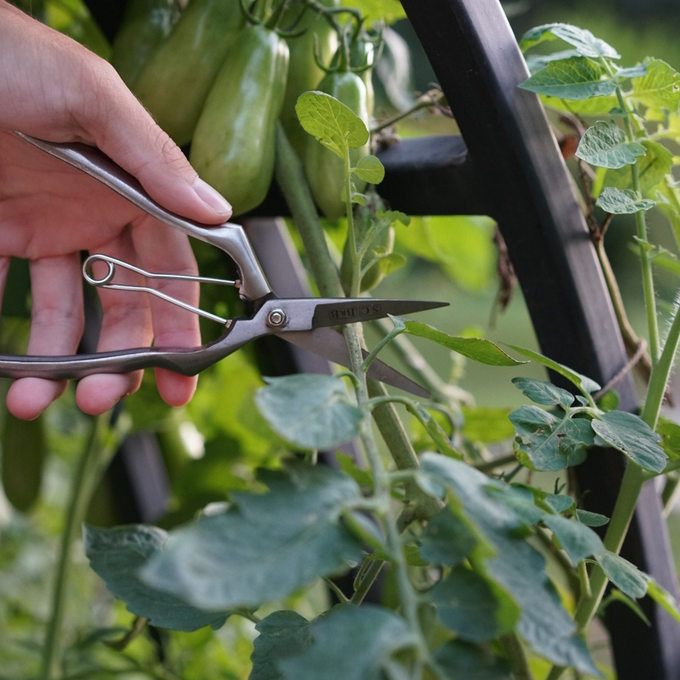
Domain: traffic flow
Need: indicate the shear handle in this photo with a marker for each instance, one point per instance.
(231, 238)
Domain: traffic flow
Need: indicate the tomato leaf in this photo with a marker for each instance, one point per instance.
(478, 349)
(583, 40)
(624, 575)
(349, 643)
(264, 547)
(308, 410)
(629, 434)
(622, 201)
(576, 539)
(543, 392)
(456, 659)
(586, 385)
(281, 634)
(331, 122)
(370, 169)
(591, 519)
(446, 540)
(544, 442)
(605, 145)
(662, 597)
(116, 555)
(659, 88)
(652, 169)
(471, 607)
(576, 78)
(510, 561)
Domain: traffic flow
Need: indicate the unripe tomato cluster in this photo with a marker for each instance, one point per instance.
(219, 81)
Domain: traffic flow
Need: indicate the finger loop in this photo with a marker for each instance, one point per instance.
(111, 263)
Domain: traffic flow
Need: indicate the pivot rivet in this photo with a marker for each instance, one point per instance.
(276, 318)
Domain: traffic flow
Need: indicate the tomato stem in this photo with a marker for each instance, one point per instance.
(96, 455)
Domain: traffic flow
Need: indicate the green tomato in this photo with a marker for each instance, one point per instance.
(233, 146)
(174, 83)
(145, 25)
(24, 450)
(304, 73)
(325, 171)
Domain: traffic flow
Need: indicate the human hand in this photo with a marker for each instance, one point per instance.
(54, 89)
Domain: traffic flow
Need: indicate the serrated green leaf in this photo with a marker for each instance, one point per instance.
(659, 88)
(637, 71)
(559, 502)
(391, 262)
(597, 106)
(652, 170)
(308, 410)
(576, 539)
(543, 392)
(605, 145)
(446, 540)
(521, 501)
(662, 597)
(670, 437)
(264, 547)
(349, 643)
(624, 575)
(331, 122)
(116, 555)
(511, 562)
(536, 62)
(478, 349)
(576, 78)
(545, 442)
(583, 40)
(622, 201)
(459, 660)
(629, 434)
(281, 634)
(586, 385)
(467, 605)
(591, 519)
(370, 169)
(437, 434)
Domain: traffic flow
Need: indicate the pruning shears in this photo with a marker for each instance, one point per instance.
(307, 322)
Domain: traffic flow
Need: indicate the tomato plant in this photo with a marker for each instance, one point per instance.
(270, 557)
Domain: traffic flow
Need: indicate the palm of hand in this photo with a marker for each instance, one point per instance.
(49, 213)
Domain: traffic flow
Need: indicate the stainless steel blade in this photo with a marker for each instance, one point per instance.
(331, 345)
(367, 309)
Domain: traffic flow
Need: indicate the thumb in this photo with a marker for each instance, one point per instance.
(128, 135)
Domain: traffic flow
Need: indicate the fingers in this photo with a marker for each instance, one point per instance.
(56, 327)
(164, 250)
(120, 126)
(126, 323)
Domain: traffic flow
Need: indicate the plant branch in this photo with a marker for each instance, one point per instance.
(94, 459)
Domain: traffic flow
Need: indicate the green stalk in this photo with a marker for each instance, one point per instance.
(661, 372)
(626, 501)
(634, 476)
(382, 493)
(94, 458)
(292, 181)
(641, 229)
